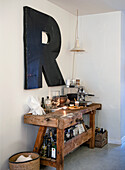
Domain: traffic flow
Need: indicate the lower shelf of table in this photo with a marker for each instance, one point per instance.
(48, 162)
(75, 142)
(69, 146)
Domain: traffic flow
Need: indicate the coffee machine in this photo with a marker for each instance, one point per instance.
(77, 93)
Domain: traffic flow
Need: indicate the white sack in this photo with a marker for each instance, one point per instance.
(35, 107)
(22, 158)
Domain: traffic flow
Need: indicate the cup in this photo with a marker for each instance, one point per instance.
(77, 103)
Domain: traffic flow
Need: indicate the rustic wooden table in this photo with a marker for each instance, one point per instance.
(59, 121)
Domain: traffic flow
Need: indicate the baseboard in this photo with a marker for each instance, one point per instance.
(114, 141)
(123, 140)
(118, 142)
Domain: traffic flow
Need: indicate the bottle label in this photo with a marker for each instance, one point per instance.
(68, 135)
(53, 153)
(80, 128)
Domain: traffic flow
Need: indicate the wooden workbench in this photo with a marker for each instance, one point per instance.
(57, 120)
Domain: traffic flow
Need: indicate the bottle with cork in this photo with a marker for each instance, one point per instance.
(42, 103)
(48, 104)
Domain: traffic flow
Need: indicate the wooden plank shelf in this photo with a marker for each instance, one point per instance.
(69, 146)
(47, 161)
(56, 119)
(41, 120)
(75, 142)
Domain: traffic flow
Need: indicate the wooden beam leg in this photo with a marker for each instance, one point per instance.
(92, 125)
(60, 149)
(39, 138)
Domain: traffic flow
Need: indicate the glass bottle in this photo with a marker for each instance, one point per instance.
(48, 104)
(49, 148)
(53, 150)
(68, 134)
(51, 135)
(42, 103)
(43, 151)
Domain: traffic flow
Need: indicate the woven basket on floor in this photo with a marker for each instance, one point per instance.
(33, 164)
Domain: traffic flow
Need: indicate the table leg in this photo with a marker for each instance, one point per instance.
(60, 149)
(39, 138)
(92, 125)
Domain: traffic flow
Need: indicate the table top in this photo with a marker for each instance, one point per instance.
(60, 118)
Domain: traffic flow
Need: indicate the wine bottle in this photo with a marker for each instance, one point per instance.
(49, 148)
(53, 150)
(42, 103)
(43, 151)
(68, 134)
(51, 135)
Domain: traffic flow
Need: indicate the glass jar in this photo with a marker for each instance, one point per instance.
(48, 104)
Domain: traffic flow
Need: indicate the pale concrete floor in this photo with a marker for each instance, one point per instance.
(110, 157)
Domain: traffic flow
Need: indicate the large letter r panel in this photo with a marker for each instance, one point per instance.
(39, 57)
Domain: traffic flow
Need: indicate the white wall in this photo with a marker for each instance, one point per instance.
(15, 136)
(99, 67)
(123, 76)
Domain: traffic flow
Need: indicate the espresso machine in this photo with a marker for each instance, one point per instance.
(77, 93)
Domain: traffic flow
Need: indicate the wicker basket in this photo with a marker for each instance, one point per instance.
(33, 164)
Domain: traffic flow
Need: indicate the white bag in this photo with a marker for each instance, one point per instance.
(35, 107)
(22, 158)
